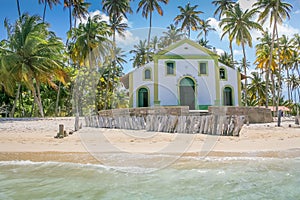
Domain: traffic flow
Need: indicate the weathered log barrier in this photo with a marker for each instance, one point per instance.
(207, 124)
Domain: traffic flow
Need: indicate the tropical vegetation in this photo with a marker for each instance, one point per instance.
(42, 75)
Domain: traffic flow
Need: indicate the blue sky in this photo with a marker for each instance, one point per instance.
(58, 18)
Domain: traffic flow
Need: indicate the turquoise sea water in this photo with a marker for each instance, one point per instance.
(208, 178)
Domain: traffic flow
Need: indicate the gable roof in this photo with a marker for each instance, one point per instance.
(186, 41)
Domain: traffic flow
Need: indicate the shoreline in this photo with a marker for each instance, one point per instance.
(87, 158)
(33, 140)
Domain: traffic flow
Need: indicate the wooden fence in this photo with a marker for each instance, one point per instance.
(208, 124)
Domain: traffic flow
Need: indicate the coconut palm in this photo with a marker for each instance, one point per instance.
(295, 61)
(239, 24)
(173, 34)
(7, 83)
(19, 9)
(204, 28)
(222, 6)
(189, 18)
(141, 54)
(285, 55)
(88, 48)
(204, 43)
(294, 82)
(154, 44)
(148, 7)
(226, 59)
(89, 36)
(256, 88)
(276, 11)
(116, 7)
(263, 59)
(116, 10)
(297, 41)
(77, 9)
(50, 4)
(34, 55)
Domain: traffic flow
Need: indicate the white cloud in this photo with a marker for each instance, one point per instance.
(246, 4)
(297, 12)
(215, 24)
(128, 40)
(220, 51)
(124, 42)
(286, 29)
(237, 52)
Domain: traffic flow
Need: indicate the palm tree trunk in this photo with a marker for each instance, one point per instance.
(273, 88)
(245, 71)
(57, 99)
(114, 62)
(288, 85)
(271, 54)
(44, 13)
(12, 112)
(279, 72)
(230, 46)
(19, 10)
(37, 97)
(70, 16)
(149, 33)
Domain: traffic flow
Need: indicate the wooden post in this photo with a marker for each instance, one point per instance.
(60, 131)
(76, 125)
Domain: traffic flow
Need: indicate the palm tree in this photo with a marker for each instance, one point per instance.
(87, 37)
(285, 55)
(141, 54)
(7, 83)
(50, 3)
(116, 7)
(116, 10)
(88, 47)
(296, 56)
(19, 9)
(256, 88)
(239, 24)
(276, 11)
(148, 7)
(204, 43)
(154, 44)
(77, 9)
(204, 28)
(33, 55)
(173, 34)
(189, 17)
(222, 6)
(226, 59)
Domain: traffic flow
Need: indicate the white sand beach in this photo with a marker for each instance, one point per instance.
(33, 139)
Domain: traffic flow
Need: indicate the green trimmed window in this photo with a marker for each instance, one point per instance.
(222, 74)
(147, 75)
(170, 68)
(203, 68)
(227, 95)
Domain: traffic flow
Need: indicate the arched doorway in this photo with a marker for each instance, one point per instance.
(187, 93)
(143, 96)
(227, 96)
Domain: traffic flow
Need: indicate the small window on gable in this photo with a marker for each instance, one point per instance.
(147, 74)
(203, 68)
(170, 68)
(222, 74)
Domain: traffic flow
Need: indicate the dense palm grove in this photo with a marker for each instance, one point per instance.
(40, 75)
